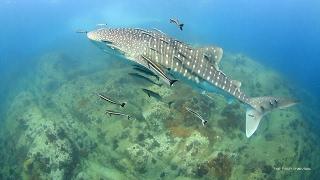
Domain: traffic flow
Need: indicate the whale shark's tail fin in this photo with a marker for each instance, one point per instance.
(259, 106)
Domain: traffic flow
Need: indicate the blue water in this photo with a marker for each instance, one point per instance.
(283, 35)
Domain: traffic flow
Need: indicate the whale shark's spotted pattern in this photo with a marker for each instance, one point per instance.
(197, 65)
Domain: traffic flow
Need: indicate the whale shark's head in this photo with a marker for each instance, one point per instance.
(97, 35)
(120, 41)
(104, 38)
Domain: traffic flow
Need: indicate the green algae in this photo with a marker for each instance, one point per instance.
(57, 127)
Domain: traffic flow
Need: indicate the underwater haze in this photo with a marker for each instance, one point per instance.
(54, 126)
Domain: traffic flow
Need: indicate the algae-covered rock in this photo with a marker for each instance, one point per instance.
(57, 127)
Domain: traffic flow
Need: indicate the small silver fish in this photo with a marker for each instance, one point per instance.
(82, 31)
(204, 122)
(110, 100)
(110, 112)
(102, 24)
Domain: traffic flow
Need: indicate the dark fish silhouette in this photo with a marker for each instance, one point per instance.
(152, 94)
(144, 78)
(146, 71)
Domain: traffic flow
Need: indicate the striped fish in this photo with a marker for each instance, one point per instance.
(110, 112)
(122, 104)
(203, 121)
(198, 67)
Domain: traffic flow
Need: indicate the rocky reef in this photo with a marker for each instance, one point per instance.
(56, 128)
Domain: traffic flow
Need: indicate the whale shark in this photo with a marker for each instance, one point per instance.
(195, 66)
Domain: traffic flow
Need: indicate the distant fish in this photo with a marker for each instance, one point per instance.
(102, 24)
(153, 94)
(146, 71)
(144, 78)
(110, 112)
(82, 31)
(110, 100)
(204, 122)
(176, 22)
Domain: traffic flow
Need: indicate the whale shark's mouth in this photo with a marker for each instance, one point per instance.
(92, 35)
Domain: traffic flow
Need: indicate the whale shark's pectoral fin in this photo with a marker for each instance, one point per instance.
(212, 54)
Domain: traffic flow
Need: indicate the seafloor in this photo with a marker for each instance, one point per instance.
(56, 128)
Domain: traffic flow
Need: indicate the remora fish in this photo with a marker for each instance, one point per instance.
(204, 122)
(144, 78)
(146, 71)
(110, 112)
(199, 67)
(102, 24)
(82, 31)
(110, 100)
(176, 22)
(158, 70)
(153, 94)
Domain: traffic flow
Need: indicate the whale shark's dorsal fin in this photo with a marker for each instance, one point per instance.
(213, 54)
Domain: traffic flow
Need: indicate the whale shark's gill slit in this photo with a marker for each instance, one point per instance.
(153, 49)
(175, 57)
(161, 39)
(181, 54)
